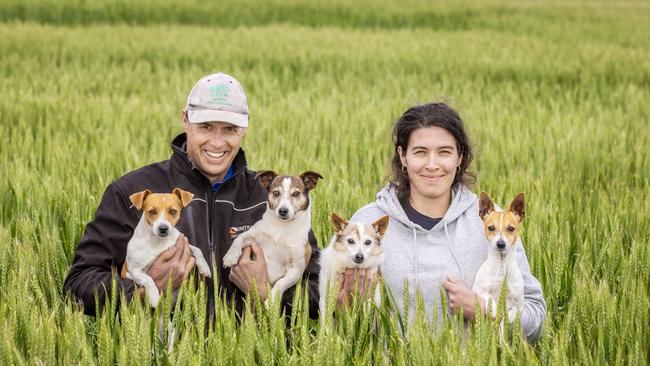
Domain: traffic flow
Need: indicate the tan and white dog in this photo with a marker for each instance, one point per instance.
(354, 245)
(283, 231)
(155, 233)
(502, 231)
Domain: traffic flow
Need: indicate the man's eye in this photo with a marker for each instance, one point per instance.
(296, 194)
(276, 194)
(152, 212)
(368, 242)
(350, 241)
(172, 212)
(491, 228)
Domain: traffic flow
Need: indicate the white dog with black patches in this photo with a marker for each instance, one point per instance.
(354, 245)
(283, 231)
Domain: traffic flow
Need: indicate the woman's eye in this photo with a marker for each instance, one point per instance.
(276, 194)
(491, 228)
(296, 194)
(368, 242)
(172, 212)
(152, 212)
(350, 241)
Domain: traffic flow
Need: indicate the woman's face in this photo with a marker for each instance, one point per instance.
(431, 160)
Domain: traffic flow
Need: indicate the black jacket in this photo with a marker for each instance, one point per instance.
(211, 222)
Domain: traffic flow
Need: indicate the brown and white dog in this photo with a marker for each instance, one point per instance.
(155, 233)
(283, 231)
(502, 231)
(354, 245)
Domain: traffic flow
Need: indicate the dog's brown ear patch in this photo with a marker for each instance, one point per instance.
(338, 223)
(485, 205)
(265, 177)
(380, 226)
(184, 196)
(518, 206)
(310, 179)
(138, 198)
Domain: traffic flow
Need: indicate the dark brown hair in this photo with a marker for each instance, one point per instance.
(429, 115)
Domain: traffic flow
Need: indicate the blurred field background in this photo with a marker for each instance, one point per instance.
(556, 97)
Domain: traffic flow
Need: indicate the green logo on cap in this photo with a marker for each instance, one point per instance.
(219, 95)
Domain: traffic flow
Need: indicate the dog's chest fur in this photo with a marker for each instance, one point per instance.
(144, 247)
(493, 272)
(280, 241)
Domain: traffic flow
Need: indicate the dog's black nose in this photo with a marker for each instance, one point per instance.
(358, 258)
(283, 211)
(501, 244)
(163, 230)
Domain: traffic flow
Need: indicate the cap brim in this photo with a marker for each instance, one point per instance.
(211, 115)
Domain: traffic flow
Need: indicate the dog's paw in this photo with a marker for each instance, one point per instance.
(154, 298)
(231, 258)
(204, 269)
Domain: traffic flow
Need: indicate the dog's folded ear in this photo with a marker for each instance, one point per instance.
(338, 223)
(265, 177)
(380, 226)
(138, 198)
(185, 196)
(485, 205)
(518, 206)
(310, 179)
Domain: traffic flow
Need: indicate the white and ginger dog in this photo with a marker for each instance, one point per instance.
(155, 233)
(502, 232)
(283, 231)
(354, 245)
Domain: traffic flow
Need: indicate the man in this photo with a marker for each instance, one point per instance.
(206, 160)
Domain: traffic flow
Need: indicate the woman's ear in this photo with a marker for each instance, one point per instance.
(401, 155)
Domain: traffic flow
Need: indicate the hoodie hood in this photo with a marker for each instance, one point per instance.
(461, 200)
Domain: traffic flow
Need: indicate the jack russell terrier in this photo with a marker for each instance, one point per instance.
(155, 233)
(283, 231)
(354, 245)
(502, 231)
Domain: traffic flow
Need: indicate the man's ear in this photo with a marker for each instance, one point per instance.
(138, 198)
(485, 205)
(380, 226)
(310, 179)
(338, 223)
(184, 196)
(265, 177)
(518, 206)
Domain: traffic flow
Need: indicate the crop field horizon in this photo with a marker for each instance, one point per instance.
(555, 96)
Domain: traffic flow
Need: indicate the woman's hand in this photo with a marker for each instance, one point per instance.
(352, 280)
(462, 298)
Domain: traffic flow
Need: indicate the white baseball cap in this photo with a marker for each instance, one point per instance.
(217, 98)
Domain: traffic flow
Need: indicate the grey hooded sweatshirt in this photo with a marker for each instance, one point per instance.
(456, 246)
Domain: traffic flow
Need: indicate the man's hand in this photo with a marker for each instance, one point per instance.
(246, 270)
(175, 262)
(462, 297)
(351, 280)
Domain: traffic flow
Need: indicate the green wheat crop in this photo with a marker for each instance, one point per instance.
(556, 97)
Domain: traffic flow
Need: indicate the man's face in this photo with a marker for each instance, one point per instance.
(212, 146)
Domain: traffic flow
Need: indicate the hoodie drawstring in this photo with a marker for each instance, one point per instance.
(415, 257)
(451, 249)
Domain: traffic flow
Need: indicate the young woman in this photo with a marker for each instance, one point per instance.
(435, 238)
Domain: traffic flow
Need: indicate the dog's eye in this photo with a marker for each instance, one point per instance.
(276, 194)
(491, 228)
(368, 242)
(296, 194)
(172, 212)
(350, 241)
(152, 212)
(511, 229)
